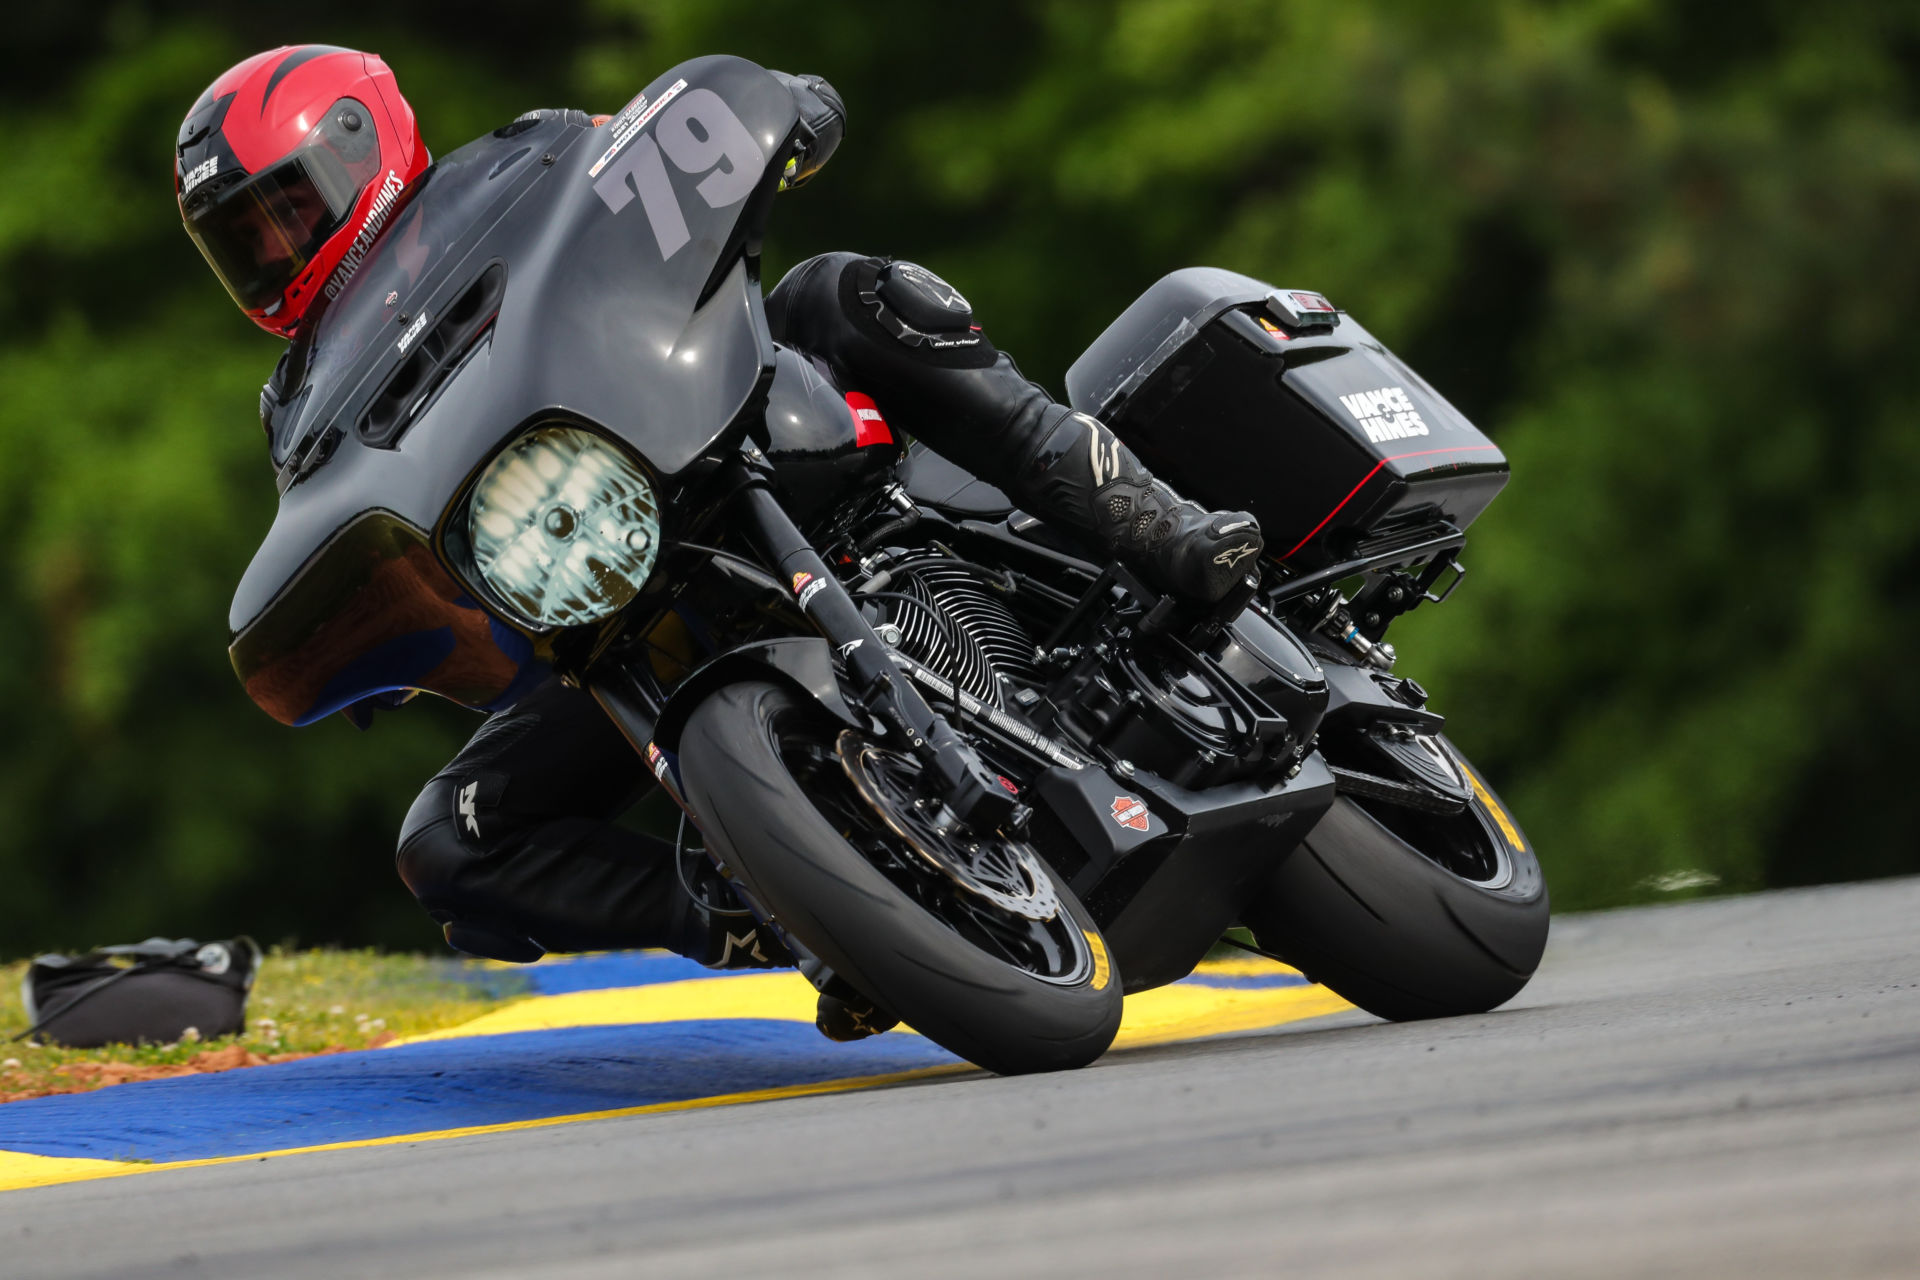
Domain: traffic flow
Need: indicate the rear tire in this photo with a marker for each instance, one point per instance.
(1406, 915)
(773, 831)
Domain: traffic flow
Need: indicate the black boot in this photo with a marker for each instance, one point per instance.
(1083, 477)
(713, 927)
(845, 1015)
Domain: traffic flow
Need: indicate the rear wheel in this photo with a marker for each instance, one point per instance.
(972, 942)
(1410, 914)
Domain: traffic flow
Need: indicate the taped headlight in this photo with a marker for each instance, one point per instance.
(564, 527)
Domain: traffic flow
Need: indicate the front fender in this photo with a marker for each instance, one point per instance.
(803, 664)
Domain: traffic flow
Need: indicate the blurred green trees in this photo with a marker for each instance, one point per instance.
(1664, 253)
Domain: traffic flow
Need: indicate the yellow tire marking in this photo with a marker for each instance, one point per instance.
(1102, 967)
(1500, 817)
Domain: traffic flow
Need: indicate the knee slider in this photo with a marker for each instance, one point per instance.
(922, 303)
(915, 308)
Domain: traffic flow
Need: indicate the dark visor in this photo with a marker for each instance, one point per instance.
(260, 236)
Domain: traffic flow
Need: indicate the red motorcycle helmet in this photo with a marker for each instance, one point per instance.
(286, 170)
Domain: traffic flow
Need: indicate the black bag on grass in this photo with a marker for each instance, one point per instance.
(144, 993)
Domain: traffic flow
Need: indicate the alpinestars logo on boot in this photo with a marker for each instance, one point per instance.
(1385, 414)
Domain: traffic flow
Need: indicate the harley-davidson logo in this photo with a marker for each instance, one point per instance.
(1129, 812)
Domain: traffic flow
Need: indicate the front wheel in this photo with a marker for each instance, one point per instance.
(1407, 914)
(974, 943)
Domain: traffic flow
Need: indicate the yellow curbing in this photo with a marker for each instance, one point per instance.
(1168, 1014)
(1164, 1015)
(784, 996)
(781, 994)
(19, 1169)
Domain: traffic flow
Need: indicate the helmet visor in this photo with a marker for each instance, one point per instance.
(260, 235)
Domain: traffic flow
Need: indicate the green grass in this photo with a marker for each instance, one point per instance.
(303, 1002)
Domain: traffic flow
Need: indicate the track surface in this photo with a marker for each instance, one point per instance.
(1721, 1088)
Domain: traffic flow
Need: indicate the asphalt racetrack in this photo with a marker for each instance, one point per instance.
(1724, 1088)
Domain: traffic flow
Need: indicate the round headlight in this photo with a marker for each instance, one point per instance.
(564, 527)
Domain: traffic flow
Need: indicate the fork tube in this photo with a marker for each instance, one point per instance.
(973, 791)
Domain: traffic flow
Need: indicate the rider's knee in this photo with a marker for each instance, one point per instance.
(868, 314)
(805, 306)
(445, 837)
(431, 854)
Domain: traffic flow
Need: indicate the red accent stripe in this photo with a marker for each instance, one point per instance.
(867, 430)
(1459, 448)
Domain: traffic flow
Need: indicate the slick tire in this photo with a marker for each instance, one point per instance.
(1359, 908)
(816, 886)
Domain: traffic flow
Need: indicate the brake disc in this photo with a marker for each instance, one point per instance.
(1006, 873)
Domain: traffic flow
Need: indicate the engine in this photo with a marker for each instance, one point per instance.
(946, 614)
(1246, 704)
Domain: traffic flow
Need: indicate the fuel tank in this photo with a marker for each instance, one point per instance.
(822, 441)
(1242, 395)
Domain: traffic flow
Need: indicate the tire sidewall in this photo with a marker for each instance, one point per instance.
(817, 887)
(1359, 909)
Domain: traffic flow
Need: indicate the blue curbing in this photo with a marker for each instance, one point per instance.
(1245, 981)
(459, 1083)
(615, 969)
(554, 977)
(445, 1084)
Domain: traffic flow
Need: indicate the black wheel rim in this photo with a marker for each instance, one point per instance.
(1053, 951)
(1464, 845)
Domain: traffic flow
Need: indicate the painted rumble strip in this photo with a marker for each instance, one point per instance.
(616, 1035)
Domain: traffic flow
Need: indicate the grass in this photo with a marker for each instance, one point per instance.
(303, 1003)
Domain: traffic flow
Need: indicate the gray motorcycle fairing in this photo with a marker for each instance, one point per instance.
(631, 304)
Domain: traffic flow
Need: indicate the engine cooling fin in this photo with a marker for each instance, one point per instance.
(958, 628)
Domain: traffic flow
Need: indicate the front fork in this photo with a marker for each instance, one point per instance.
(968, 787)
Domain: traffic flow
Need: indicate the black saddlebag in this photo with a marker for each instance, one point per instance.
(1242, 395)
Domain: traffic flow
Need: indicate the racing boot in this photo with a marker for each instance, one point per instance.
(712, 926)
(1083, 477)
(843, 1014)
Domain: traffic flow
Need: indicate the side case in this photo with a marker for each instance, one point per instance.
(1238, 399)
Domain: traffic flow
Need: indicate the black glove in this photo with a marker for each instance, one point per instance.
(822, 116)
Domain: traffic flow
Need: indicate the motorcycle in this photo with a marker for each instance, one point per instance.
(960, 764)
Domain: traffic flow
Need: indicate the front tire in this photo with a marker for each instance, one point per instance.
(783, 817)
(1407, 915)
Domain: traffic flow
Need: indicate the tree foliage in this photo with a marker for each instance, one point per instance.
(1664, 255)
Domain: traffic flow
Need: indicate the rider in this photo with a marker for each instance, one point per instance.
(288, 168)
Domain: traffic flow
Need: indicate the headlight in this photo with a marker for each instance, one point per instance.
(564, 527)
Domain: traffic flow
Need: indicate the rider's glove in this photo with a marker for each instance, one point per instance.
(824, 120)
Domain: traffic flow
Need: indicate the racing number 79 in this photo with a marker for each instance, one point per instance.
(700, 134)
